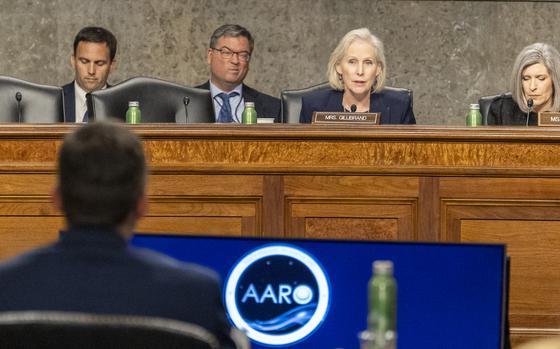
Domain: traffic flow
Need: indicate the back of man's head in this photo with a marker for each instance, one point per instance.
(102, 174)
(97, 35)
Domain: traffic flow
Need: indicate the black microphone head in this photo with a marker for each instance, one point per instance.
(353, 108)
(186, 100)
(530, 103)
(18, 96)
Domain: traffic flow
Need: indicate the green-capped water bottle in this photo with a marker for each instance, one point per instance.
(133, 114)
(249, 115)
(474, 118)
(382, 315)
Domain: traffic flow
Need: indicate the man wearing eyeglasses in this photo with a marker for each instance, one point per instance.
(228, 56)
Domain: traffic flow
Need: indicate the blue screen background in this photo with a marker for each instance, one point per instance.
(449, 295)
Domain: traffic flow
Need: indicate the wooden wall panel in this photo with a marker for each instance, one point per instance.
(530, 230)
(431, 183)
(236, 216)
(20, 234)
(351, 186)
(27, 222)
(351, 219)
(535, 266)
(204, 185)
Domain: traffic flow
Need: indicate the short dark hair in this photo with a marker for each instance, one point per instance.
(231, 30)
(97, 34)
(101, 174)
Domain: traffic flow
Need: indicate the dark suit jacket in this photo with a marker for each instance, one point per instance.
(504, 111)
(395, 107)
(265, 105)
(69, 102)
(92, 269)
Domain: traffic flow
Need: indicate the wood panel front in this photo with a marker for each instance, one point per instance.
(488, 184)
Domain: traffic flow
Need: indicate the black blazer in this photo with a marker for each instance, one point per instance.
(504, 111)
(265, 105)
(92, 269)
(395, 107)
(69, 102)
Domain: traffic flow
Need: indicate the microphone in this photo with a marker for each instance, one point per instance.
(530, 106)
(18, 100)
(353, 108)
(186, 101)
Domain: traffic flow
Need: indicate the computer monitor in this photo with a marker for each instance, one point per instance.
(313, 293)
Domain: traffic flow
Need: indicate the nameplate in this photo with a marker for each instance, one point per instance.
(549, 119)
(323, 117)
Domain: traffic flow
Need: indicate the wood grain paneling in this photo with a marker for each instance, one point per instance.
(238, 216)
(351, 219)
(530, 230)
(488, 184)
(22, 233)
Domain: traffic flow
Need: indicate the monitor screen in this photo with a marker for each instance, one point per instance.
(313, 293)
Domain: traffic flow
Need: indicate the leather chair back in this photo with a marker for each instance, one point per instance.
(160, 101)
(38, 104)
(484, 103)
(402, 90)
(50, 330)
(291, 102)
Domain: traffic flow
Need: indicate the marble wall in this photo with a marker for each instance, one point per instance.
(448, 52)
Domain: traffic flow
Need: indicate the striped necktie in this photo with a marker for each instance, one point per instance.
(226, 115)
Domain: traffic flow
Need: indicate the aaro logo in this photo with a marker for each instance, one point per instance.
(278, 294)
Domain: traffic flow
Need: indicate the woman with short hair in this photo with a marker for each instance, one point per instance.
(356, 74)
(535, 77)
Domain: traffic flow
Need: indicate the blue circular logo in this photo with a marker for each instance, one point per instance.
(278, 294)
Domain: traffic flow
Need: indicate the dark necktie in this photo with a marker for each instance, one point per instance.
(225, 115)
(85, 119)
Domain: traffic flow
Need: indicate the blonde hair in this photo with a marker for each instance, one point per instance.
(533, 54)
(340, 51)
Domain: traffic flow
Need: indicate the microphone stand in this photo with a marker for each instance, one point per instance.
(18, 100)
(530, 106)
(186, 101)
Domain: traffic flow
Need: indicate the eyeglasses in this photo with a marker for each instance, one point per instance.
(226, 53)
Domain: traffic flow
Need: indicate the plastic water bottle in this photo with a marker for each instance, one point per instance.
(382, 315)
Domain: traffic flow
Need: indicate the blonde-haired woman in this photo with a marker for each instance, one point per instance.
(356, 74)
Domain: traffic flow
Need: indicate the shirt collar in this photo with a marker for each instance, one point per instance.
(215, 90)
(81, 93)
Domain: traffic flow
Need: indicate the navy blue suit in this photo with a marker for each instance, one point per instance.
(92, 269)
(395, 106)
(265, 105)
(69, 102)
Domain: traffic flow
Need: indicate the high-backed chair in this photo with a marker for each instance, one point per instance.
(484, 103)
(402, 90)
(49, 330)
(37, 103)
(291, 102)
(160, 101)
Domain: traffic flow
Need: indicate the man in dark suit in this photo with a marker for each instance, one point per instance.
(228, 56)
(93, 60)
(102, 191)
